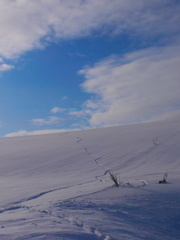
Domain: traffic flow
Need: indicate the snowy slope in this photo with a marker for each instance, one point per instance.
(57, 186)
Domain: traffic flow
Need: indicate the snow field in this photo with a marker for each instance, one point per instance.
(57, 186)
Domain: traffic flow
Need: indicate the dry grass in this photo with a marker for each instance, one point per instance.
(114, 178)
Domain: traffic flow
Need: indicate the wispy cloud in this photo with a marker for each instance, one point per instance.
(137, 87)
(26, 25)
(80, 113)
(64, 98)
(76, 54)
(47, 121)
(57, 110)
(5, 67)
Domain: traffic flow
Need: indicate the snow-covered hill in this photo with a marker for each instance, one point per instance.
(57, 186)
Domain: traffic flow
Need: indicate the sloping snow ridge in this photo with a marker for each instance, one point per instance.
(58, 186)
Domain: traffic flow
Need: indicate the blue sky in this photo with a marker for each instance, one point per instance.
(82, 64)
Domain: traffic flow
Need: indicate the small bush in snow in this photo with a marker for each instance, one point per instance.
(164, 178)
(114, 178)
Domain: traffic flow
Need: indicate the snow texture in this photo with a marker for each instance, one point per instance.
(58, 186)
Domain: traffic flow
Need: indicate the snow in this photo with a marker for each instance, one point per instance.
(58, 186)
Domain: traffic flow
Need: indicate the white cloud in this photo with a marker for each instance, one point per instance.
(64, 98)
(57, 109)
(5, 67)
(48, 121)
(21, 133)
(26, 25)
(135, 87)
(80, 113)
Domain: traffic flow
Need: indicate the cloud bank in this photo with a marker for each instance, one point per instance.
(26, 25)
(139, 86)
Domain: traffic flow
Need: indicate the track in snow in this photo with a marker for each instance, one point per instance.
(96, 158)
